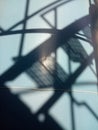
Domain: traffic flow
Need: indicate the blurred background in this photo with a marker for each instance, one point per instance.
(47, 68)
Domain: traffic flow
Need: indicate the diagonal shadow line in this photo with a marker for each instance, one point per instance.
(47, 21)
(24, 27)
(51, 31)
(55, 19)
(40, 10)
(67, 85)
(86, 105)
(50, 45)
